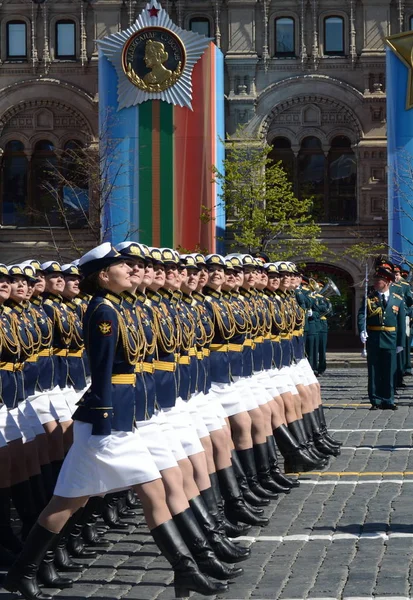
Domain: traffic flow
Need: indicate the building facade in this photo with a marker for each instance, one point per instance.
(307, 76)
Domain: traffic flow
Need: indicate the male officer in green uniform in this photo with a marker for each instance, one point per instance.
(326, 308)
(383, 330)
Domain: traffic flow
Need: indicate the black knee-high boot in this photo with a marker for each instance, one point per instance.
(248, 464)
(298, 430)
(201, 549)
(39, 494)
(214, 530)
(296, 459)
(319, 413)
(89, 530)
(248, 495)
(22, 577)
(187, 576)
(262, 462)
(276, 473)
(110, 513)
(75, 544)
(313, 432)
(48, 480)
(8, 538)
(231, 529)
(235, 507)
(62, 559)
(22, 498)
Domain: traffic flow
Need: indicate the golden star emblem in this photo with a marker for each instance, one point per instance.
(402, 46)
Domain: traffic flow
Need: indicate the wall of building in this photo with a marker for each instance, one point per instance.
(306, 94)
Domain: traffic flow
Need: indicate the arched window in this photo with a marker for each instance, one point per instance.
(14, 184)
(16, 40)
(311, 174)
(284, 36)
(66, 39)
(200, 25)
(281, 151)
(75, 184)
(342, 170)
(411, 23)
(45, 198)
(334, 36)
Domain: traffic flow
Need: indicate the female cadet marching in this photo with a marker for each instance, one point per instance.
(106, 442)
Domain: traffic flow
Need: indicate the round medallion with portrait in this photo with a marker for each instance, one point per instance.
(153, 59)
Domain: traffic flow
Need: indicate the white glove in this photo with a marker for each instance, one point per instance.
(399, 349)
(363, 336)
(309, 312)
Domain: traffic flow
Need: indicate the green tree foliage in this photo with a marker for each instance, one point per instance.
(262, 211)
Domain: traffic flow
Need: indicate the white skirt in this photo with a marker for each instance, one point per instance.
(282, 380)
(200, 426)
(98, 464)
(43, 407)
(152, 436)
(210, 409)
(28, 411)
(259, 388)
(171, 438)
(58, 400)
(23, 424)
(306, 369)
(230, 398)
(180, 419)
(8, 426)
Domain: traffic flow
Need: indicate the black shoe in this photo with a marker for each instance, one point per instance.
(22, 575)
(92, 538)
(374, 407)
(49, 577)
(214, 531)
(201, 548)
(387, 406)
(187, 576)
(248, 464)
(235, 507)
(275, 470)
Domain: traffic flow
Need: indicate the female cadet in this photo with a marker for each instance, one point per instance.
(151, 432)
(105, 440)
(62, 326)
(14, 481)
(29, 337)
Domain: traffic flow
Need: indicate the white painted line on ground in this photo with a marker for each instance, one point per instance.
(352, 481)
(333, 537)
(381, 449)
(354, 598)
(363, 430)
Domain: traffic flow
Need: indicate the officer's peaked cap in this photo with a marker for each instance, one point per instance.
(51, 266)
(130, 249)
(70, 269)
(215, 259)
(99, 258)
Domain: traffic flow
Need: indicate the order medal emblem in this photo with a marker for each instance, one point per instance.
(153, 59)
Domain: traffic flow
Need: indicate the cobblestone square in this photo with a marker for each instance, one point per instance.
(345, 533)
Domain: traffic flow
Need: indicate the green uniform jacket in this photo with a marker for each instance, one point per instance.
(393, 316)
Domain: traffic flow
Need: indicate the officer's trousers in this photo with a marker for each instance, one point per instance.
(381, 366)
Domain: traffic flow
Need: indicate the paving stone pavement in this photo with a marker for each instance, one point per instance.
(344, 534)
